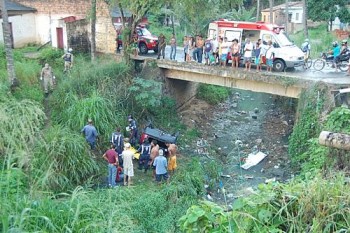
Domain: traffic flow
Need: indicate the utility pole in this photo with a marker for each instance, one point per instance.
(8, 44)
(93, 30)
(271, 11)
(257, 10)
(305, 16)
(287, 15)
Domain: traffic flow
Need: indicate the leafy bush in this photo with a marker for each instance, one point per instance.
(300, 206)
(27, 72)
(212, 94)
(338, 120)
(62, 160)
(31, 92)
(311, 105)
(52, 56)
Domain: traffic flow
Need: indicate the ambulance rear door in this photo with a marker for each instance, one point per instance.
(232, 33)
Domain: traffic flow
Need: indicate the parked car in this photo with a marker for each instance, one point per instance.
(145, 40)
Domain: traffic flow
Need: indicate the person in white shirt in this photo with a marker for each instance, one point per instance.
(270, 55)
(248, 51)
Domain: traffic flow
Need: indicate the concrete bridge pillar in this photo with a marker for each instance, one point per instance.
(183, 91)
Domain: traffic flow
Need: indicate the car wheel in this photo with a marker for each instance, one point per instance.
(278, 65)
(143, 48)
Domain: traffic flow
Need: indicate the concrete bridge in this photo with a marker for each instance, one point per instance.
(183, 77)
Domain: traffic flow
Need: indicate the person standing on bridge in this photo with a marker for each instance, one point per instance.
(200, 44)
(185, 44)
(235, 55)
(248, 50)
(173, 47)
(161, 46)
(270, 55)
(257, 52)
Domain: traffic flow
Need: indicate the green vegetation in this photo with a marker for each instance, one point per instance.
(49, 179)
(318, 44)
(212, 94)
(299, 206)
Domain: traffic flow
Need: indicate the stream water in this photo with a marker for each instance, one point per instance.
(247, 123)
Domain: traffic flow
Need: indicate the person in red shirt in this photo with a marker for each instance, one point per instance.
(112, 158)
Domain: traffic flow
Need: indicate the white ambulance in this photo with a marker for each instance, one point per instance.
(287, 54)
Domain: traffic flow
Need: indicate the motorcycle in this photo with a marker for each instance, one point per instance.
(342, 62)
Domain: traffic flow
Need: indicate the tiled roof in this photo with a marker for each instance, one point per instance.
(12, 6)
(283, 6)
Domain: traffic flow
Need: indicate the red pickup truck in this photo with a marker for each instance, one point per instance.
(145, 41)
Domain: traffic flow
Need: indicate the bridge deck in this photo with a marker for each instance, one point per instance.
(280, 83)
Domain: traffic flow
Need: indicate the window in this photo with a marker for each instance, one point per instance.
(230, 34)
(264, 18)
(297, 17)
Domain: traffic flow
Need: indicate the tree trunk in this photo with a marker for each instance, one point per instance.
(334, 140)
(93, 30)
(287, 15)
(257, 10)
(8, 45)
(305, 16)
(271, 11)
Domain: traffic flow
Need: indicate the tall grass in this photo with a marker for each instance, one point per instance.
(99, 109)
(21, 122)
(62, 160)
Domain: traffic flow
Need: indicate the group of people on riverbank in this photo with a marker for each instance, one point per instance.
(122, 152)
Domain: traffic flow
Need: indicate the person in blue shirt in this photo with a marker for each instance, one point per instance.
(161, 165)
(336, 54)
(90, 134)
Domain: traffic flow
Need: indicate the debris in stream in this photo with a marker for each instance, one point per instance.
(253, 159)
(270, 180)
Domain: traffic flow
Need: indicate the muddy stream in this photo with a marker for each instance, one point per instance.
(247, 123)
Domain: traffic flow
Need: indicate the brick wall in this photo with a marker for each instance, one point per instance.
(105, 31)
(78, 35)
(74, 7)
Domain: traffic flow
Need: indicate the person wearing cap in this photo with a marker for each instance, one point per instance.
(128, 156)
(161, 165)
(48, 78)
(133, 130)
(90, 134)
(68, 60)
(145, 151)
(306, 48)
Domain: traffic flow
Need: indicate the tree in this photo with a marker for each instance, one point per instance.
(138, 9)
(258, 10)
(324, 10)
(8, 44)
(93, 30)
